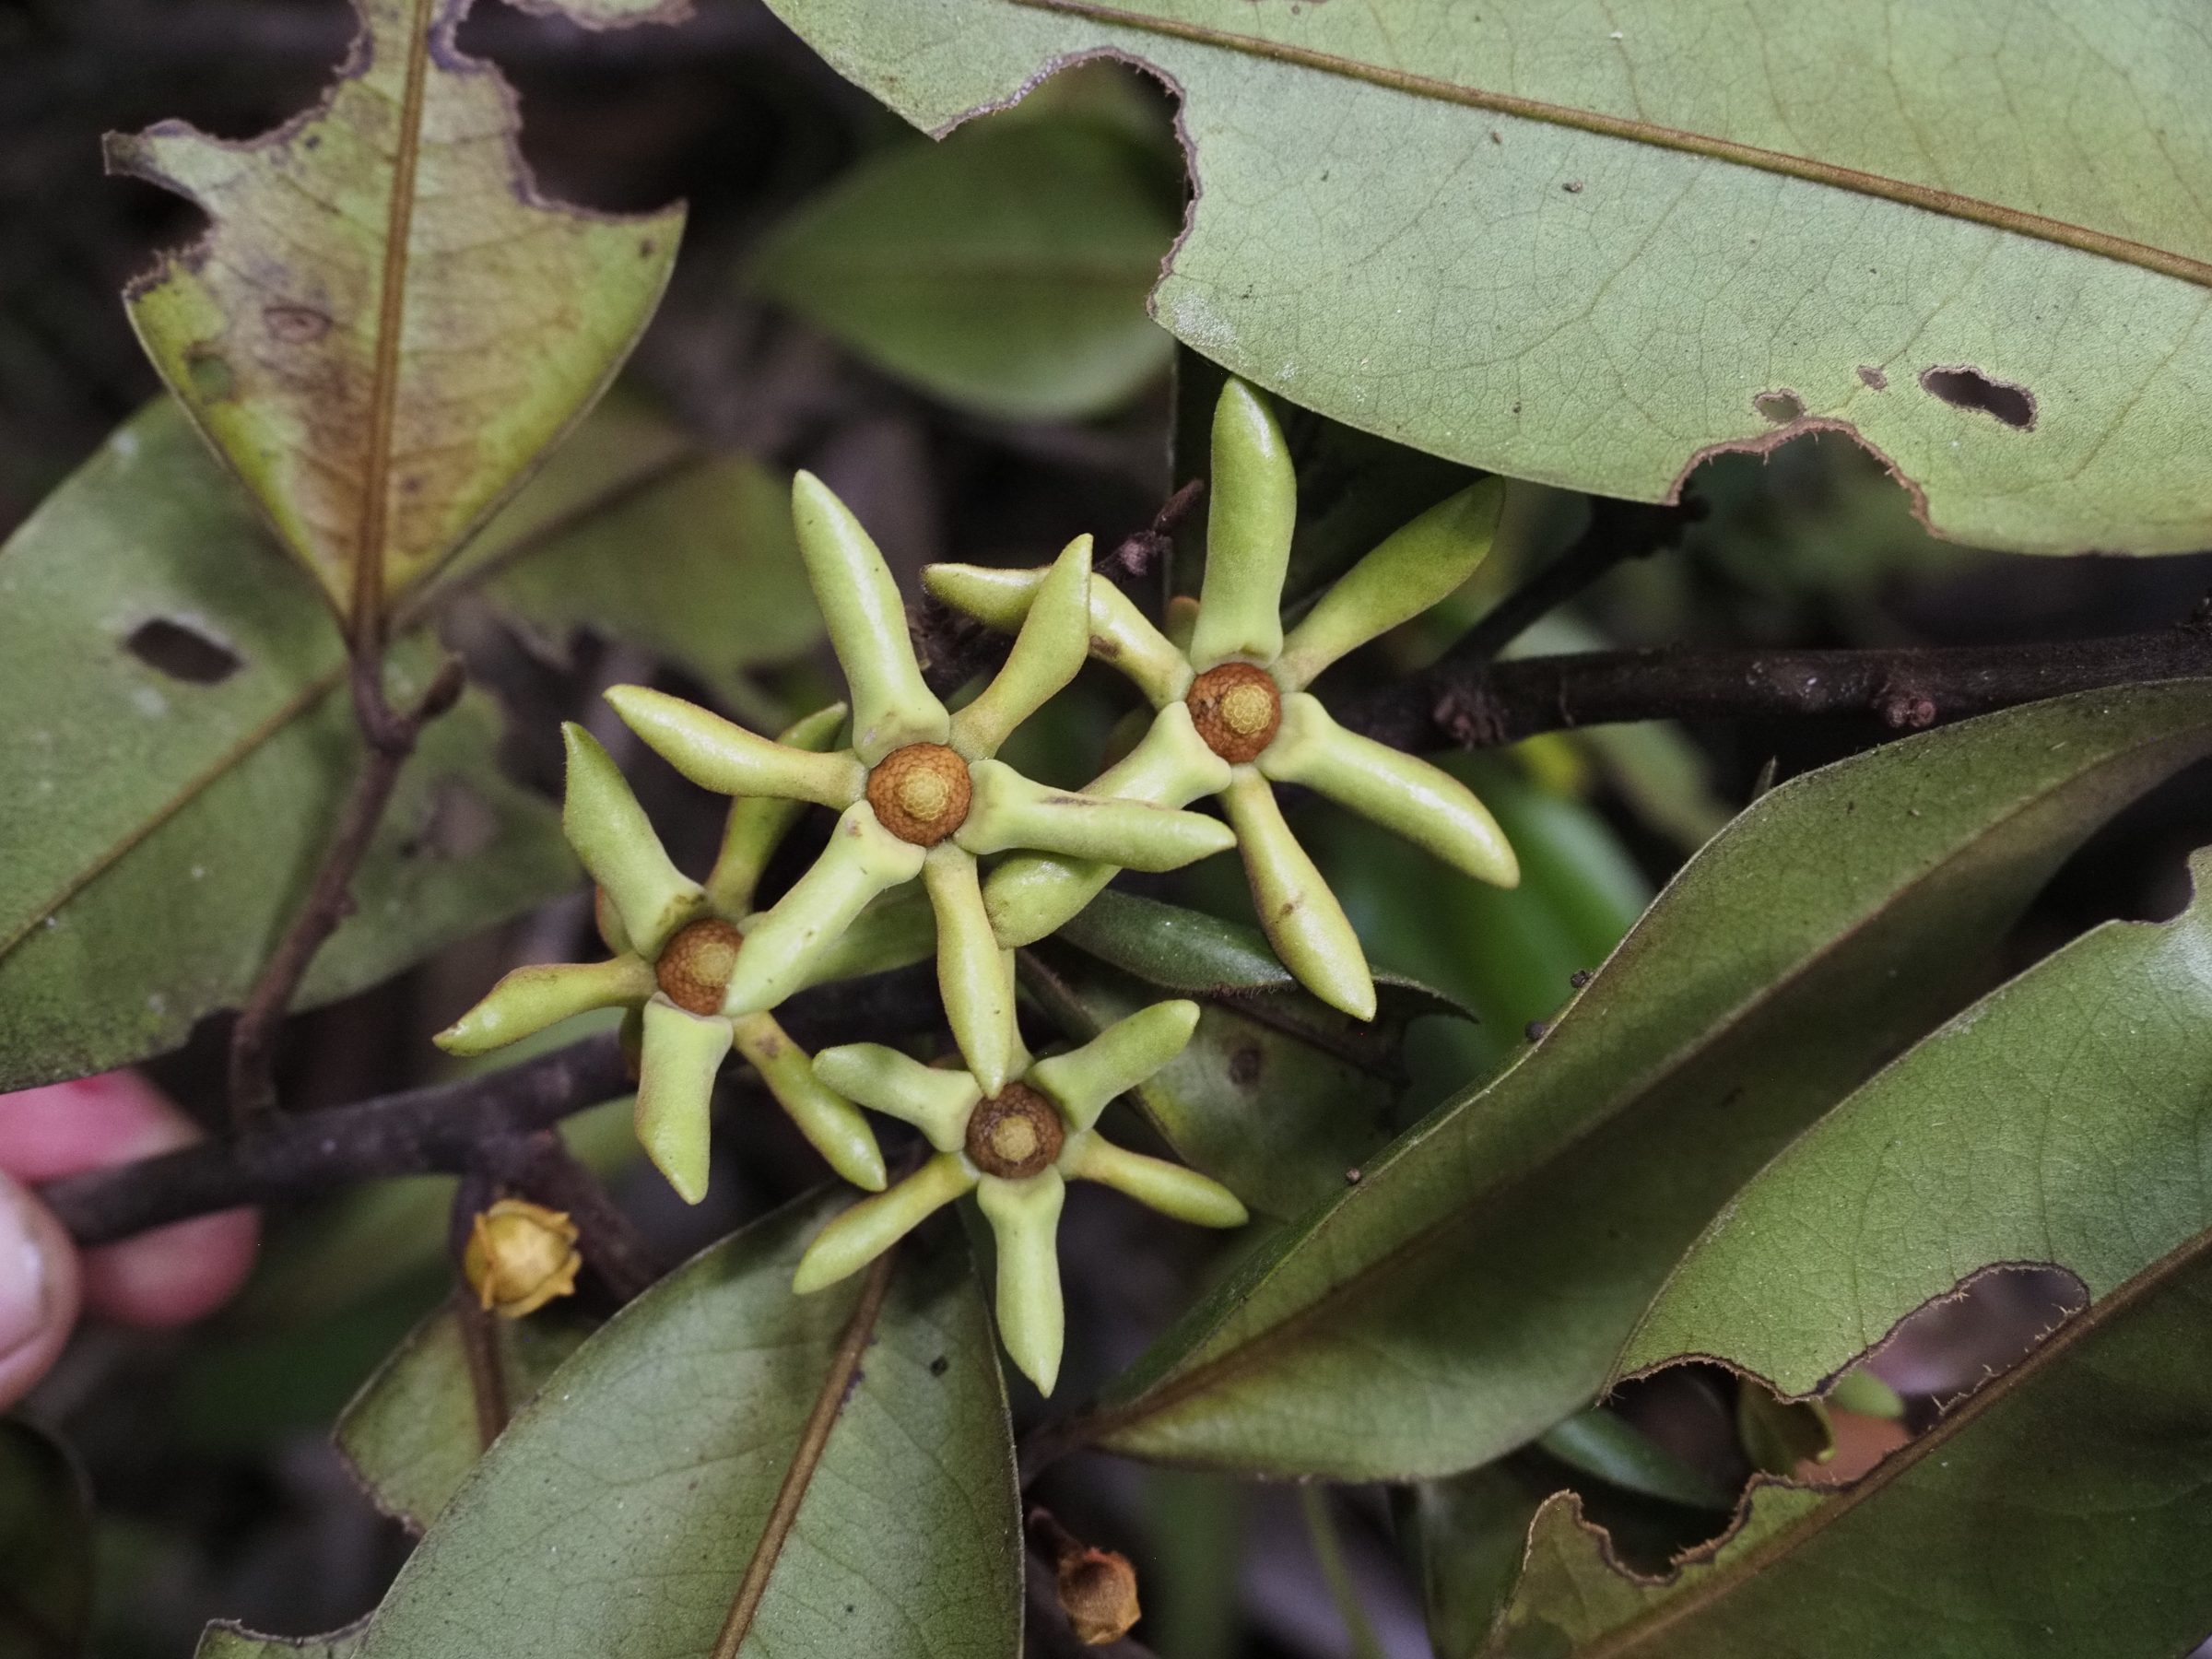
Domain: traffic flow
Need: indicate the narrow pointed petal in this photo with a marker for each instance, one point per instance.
(603, 822)
(1054, 639)
(1180, 623)
(675, 1087)
(1252, 510)
(975, 978)
(1409, 570)
(1425, 803)
(1033, 894)
(1025, 1219)
(831, 1124)
(529, 999)
(783, 944)
(723, 756)
(609, 925)
(757, 824)
(1302, 919)
(1085, 1079)
(1008, 811)
(933, 1100)
(874, 1225)
(1120, 633)
(894, 929)
(891, 707)
(1167, 1187)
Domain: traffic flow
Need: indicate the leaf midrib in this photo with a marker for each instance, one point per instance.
(1238, 1361)
(1949, 204)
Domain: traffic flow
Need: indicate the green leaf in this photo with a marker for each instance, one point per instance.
(1591, 253)
(1475, 1288)
(620, 1512)
(1607, 1445)
(45, 1547)
(1469, 1533)
(232, 1641)
(2059, 1512)
(412, 1434)
(1004, 272)
(634, 532)
(363, 330)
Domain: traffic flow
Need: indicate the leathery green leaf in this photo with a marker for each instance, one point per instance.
(1591, 252)
(1458, 1301)
(230, 1641)
(620, 1510)
(348, 331)
(411, 1434)
(1006, 272)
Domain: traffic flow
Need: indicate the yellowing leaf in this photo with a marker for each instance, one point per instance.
(387, 327)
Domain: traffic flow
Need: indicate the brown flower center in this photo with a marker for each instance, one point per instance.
(1237, 710)
(696, 965)
(919, 792)
(1015, 1134)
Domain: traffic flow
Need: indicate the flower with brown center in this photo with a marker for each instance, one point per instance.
(919, 791)
(677, 945)
(1016, 1149)
(1234, 717)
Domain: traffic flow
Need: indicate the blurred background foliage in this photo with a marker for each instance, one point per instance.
(954, 335)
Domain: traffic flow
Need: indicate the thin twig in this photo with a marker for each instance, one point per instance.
(1618, 532)
(813, 1441)
(437, 1130)
(479, 1336)
(1486, 705)
(390, 736)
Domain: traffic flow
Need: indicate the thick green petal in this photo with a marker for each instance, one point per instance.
(975, 978)
(1034, 894)
(1427, 806)
(1302, 919)
(893, 930)
(935, 1100)
(1120, 633)
(891, 707)
(1084, 1079)
(675, 1087)
(1180, 622)
(1008, 811)
(831, 1124)
(723, 756)
(1253, 510)
(782, 943)
(1409, 570)
(874, 1225)
(1025, 1219)
(529, 999)
(1048, 652)
(608, 828)
(1154, 1181)
(757, 824)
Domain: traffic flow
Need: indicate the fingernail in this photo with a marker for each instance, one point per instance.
(30, 1292)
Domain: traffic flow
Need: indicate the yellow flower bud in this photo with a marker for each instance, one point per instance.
(520, 1257)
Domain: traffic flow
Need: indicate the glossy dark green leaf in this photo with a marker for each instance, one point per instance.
(412, 1433)
(45, 1547)
(1004, 270)
(618, 1513)
(1607, 1445)
(1475, 1288)
(1468, 1535)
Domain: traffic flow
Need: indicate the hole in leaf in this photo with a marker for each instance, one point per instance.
(1781, 408)
(1970, 388)
(182, 651)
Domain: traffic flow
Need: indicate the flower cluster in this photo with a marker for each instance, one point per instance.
(922, 797)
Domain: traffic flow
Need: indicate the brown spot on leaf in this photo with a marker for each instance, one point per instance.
(182, 651)
(1875, 379)
(296, 325)
(1968, 388)
(1781, 407)
(1572, 187)
(1244, 1066)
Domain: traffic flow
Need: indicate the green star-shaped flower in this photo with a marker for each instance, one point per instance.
(1234, 717)
(675, 944)
(919, 790)
(1015, 1147)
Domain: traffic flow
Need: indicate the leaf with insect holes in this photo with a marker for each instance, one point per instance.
(385, 326)
(1589, 242)
(1476, 1286)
